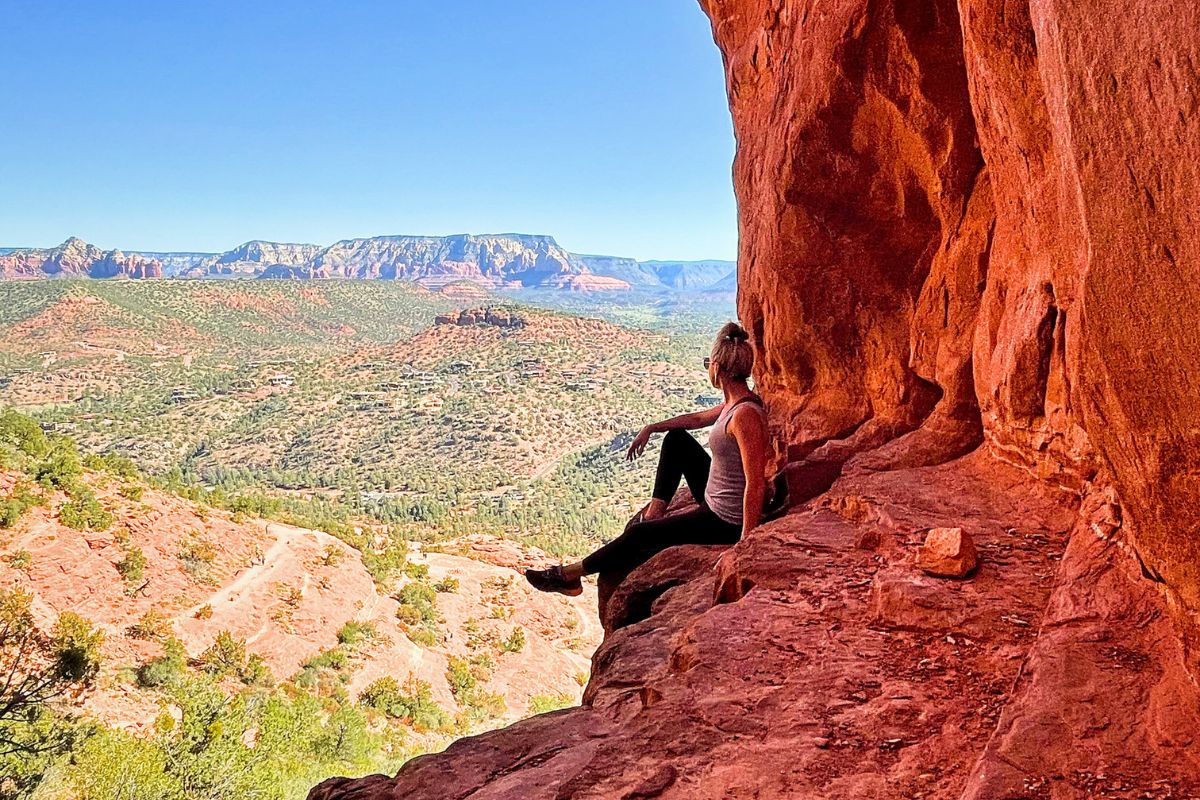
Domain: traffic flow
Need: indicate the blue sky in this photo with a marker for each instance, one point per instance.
(196, 126)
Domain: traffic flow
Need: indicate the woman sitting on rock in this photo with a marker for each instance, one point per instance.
(729, 486)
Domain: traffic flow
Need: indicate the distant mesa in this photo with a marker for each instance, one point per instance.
(75, 258)
(471, 264)
(495, 317)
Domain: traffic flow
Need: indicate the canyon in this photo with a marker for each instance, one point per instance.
(968, 262)
(509, 260)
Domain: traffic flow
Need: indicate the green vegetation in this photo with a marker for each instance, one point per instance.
(260, 392)
(21, 436)
(386, 564)
(226, 656)
(133, 566)
(167, 669)
(39, 669)
(270, 745)
(413, 703)
(354, 634)
(515, 642)
(20, 499)
(197, 557)
(447, 585)
(153, 626)
(61, 467)
(541, 703)
(83, 512)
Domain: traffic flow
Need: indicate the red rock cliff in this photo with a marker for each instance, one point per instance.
(988, 210)
(969, 260)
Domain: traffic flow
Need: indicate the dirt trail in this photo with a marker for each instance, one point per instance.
(257, 574)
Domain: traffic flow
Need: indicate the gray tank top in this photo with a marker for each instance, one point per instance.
(725, 493)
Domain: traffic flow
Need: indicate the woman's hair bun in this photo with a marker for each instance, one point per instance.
(732, 332)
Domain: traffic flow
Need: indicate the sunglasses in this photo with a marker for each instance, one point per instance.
(707, 362)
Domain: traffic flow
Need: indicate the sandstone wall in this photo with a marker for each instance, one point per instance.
(974, 215)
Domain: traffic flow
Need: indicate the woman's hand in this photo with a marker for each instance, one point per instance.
(638, 446)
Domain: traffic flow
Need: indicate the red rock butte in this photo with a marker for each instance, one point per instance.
(970, 264)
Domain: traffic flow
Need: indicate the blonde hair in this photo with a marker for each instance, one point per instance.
(732, 354)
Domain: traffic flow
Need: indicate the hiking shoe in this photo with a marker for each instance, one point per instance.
(552, 580)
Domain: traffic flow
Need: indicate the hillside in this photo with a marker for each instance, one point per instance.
(316, 613)
(348, 393)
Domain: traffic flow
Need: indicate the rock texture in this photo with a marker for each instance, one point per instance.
(968, 260)
(494, 316)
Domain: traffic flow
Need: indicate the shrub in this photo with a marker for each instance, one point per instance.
(132, 491)
(10, 512)
(481, 706)
(413, 703)
(541, 703)
(417, 572)
(22, 433)
(17, 503)
(152, 626)
(447, 585)
(408, 615)
(22, 559)
(113, 464)
(133, 566)
(334, 659)
(114, 765)
(165, 670)
(257, 673)
(353, 633)
(61, 467)
(426, 637)
(515, 642)
(460, 677)
(291, 595)
(76, 647)
(226, 656)
(332, 556)
(421, 597)
(385, 564)
(204, 612)
(83, 512)
(198, 557)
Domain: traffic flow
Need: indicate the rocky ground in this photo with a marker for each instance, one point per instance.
(814, 659)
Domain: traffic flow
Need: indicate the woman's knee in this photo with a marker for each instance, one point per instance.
(675, 437)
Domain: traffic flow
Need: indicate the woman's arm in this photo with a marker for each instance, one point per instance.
(750, 431)
(687, 422)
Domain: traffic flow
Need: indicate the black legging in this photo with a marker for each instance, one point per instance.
(681, 458)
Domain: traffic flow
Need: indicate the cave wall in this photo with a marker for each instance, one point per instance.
(978, 220)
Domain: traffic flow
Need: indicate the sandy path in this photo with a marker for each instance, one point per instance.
(252, 577)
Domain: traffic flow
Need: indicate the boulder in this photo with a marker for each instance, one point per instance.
(948, 553)
(904, 600)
